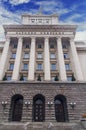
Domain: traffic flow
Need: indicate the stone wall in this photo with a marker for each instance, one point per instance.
(73, 91)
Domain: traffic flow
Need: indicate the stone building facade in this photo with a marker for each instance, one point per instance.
(42, 71)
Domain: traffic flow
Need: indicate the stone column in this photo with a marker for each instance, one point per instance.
(16, 69)
(76, 62)
(4, 57)
(32, 60)
(62, 70)
(47, 75)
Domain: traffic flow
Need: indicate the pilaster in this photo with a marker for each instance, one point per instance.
(4, 57)
(76, 62)
(46, 60)
(16, 69)
(62, 71)
(32, 60)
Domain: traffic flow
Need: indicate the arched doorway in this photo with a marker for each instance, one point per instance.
(16, 108)
(39, 108)
(61, 113)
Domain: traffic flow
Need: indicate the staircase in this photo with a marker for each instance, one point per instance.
(41, 126)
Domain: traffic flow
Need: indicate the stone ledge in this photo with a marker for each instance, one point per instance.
(42, 82)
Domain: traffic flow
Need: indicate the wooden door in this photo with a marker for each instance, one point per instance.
(17, 110)
(39, 110)
(59, 111)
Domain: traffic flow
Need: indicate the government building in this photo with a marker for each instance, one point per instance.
(42, 73)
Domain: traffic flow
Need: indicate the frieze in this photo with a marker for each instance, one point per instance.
(40, 33)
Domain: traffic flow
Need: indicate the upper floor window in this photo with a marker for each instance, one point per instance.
(15, 45)
(53, 66)
(51, 46)
(25, 66)
(39, 45)
(24, 78)
(40, 20)
(26, 55)
(8, 77)
(32, 20)
(69, 78)
(13, 55)
(47, 20)
(39, 55)
(64, 46)
(52, 55)
(39, 66)
(67, 66)
(65, 55)
(27, 46)
(11, 67)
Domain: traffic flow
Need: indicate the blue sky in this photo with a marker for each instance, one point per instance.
(69, 11)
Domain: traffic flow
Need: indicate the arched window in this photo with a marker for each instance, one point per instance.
(39, 108)
(61, 113)
(16, 108)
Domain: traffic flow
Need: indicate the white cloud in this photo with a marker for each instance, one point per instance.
(50, 6)
(17, 2)
(7, 17)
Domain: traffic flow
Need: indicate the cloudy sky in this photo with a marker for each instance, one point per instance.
(69, 11)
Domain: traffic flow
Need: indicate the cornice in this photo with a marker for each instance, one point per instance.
(39, 15)
(40, 26)
(43, 82)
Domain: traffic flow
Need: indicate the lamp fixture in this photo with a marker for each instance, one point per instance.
(73, 104)
(50, 104)
(4, 103)
(27, 103)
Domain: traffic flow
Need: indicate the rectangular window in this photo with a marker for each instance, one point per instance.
(65, 55)
(9, 77)
(25, 66)
(39, 67)
(24, 78)
(53, 66)
(64, 46)
(39, 45)
(51, 46)
(26, 55)
(67, 66)
(39, 55)
(13, 55)
(15, 45)
(27, 46)
(32, 20)
(52, 55)
(40, 20)
(11, 67)
(69, 78)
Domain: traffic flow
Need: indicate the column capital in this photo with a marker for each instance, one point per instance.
(46, 38)
(20, 37)
(71, 38)
(33, 37)
(7, 38)
(59, 37)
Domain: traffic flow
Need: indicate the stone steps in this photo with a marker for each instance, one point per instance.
(41, 126)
